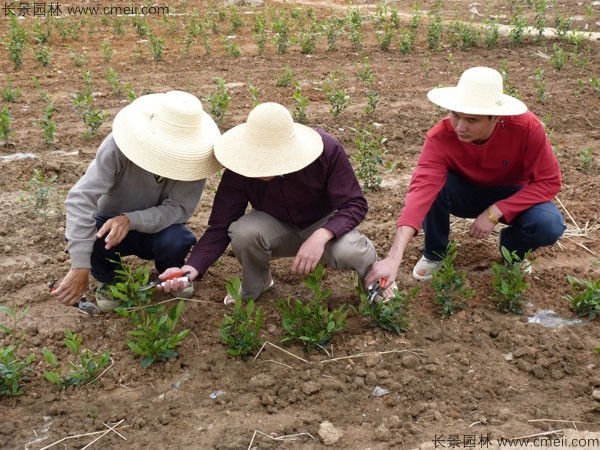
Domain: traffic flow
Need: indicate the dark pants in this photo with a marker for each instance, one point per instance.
(168, 248)
(538, 226)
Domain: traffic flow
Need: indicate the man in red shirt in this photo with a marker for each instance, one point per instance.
(305, 198)
(490, 160)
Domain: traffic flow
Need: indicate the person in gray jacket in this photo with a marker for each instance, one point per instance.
(138, 193)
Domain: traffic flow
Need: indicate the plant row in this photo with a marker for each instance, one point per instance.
(310, 322)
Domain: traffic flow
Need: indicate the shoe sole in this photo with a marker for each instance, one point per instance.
(229, 300)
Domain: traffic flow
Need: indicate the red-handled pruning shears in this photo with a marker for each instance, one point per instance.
(375, 290)
(179, 275)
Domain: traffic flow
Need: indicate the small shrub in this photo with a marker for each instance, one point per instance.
(509, 283)
(312, 323)
(451, 287)
(585, 297)
(219, 101)
(286, 78)
(9, 93)
(84, 370)
(391, 315)
(6, 131)
(154, 336)
(43, 195)
(369, 157)
(301, 104)
(13, 370)
(16, 42)
(47, 123)
(338, 97)
(241, 330)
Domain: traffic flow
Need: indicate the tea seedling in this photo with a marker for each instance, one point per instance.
(585, 297)
(435, 28)
(241, 330)
(154, 337)
(451, 287)
(42, 55)
(558, 58)
(157, 45)
(231, 47)
(312, 323)
(492, 34)
(254, 95)
(337, 97)
(517, 32)
(587, 158)
(9, 93)
(281, 37)
(509, 283)
(16, 42)
(301, 104)
(369, 158)
(392, 314)
(219, 101)
(355, 20)
(286, 78)
(47, 123)
(13, 370)
(540, 85)
(84, 370)
(42, 191)
(5, 124)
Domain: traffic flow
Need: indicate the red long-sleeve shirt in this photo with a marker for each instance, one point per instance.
(517, 153)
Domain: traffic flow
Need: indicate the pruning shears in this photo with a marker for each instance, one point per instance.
(375, 290)
(179, 275)
(87, 307)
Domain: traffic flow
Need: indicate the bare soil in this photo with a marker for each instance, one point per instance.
(477, 373)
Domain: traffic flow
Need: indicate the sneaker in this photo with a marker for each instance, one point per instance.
(228, 300)
(104, 301)
(526, 266)
(423, 270)
(186, 292)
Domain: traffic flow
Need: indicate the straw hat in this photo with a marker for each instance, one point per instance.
(479, 92)
(168, 135)
(268, 144)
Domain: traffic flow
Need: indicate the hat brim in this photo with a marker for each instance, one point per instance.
(256, 161)
(187, 157)
(448, 98)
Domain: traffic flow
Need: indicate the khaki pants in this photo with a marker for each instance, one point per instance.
(257, 237)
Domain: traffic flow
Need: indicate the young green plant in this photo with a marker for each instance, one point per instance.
(312, 324)
(585, 297)
(391, 314)
(451, 286)
(509, 282)
(86, 368)
(240, 331)
(154, 337)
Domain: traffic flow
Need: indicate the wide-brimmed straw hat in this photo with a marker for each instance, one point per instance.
(479, 92)
(169, 135)
(268, 144)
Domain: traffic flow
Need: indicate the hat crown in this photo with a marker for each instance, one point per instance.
(480, 87)
(178, 111)
(269, 125)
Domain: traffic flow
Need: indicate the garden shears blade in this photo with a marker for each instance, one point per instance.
(375, 290)
(87, 307)
(178, 275)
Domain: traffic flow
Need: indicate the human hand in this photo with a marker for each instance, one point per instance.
(72, 287)
(481, 227)
(117, 228)
(310, 252)
(386, 268)
(175, 284)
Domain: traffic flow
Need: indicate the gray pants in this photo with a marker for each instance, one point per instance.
(257, 237)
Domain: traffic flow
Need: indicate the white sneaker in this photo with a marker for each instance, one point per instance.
(424, 269)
